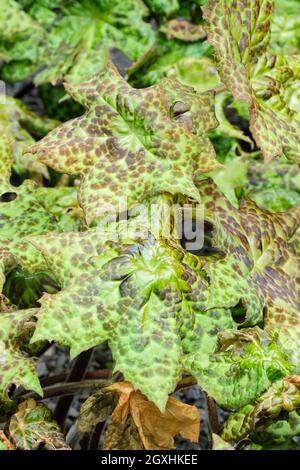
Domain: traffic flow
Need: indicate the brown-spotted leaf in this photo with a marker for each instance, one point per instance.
(131, 143)
(239, 30)
(282, 397)
(258, 270)
(139, 293)
(156, 430)
(18, 124)
(5, 443)
(16, 367)
(184, 30)
(32, 427)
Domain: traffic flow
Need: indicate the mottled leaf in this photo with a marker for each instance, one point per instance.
(183, 30)
(16, 368)
(244, 365)
(239, 30)
(258, 270)
(282, 396)
(26, 215)
(71, 38)
(134, 293)
(17, 125)
(131, 144)
(32, 427)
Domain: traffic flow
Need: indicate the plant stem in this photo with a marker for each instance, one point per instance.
(214, 427)
(76, 374)
(90, 374)
(186, 382)
(69, 388)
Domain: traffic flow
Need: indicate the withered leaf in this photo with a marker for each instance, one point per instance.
(156, 430)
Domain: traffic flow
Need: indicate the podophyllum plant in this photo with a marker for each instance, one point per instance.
(204, 114)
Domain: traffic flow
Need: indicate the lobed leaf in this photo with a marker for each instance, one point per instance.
(258, 269)
(131, 143)
(70, 39)
(243, 365)
(16, 368)
(28, 214)
(32, 427)
(282, 396)
(240, 32)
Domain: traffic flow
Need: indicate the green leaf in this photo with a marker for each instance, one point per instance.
(17, 125)
(132, 144)
(275, 187)
(244, 364)
(258, 270)
(282, 396)
(34, 211)
(220, 444)
(240, 33)
(15, 366)
(133, 294)
(185, 62)
(26, 215)
(32, 427)
(70, 39)
(163, 7)
(280, 434)
(285, 38)
(230, 178)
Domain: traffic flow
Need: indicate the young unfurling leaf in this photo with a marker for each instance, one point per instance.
(244, 364)
(283, 396)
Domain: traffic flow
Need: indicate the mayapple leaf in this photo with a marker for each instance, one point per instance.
(183, 61)
(18, 125)
(15, 366)
(132, 143)
(244, 365)
(258, 270)
(28, 214)
(32, 427)
(134, 293)
(5, 443)
(183, 30)
(283, 434)
(70, 39)
(240, 32)
(220, 444)
(275, 187)
(285, 32)
(282, 396)
(163, 7)
(139, 423)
